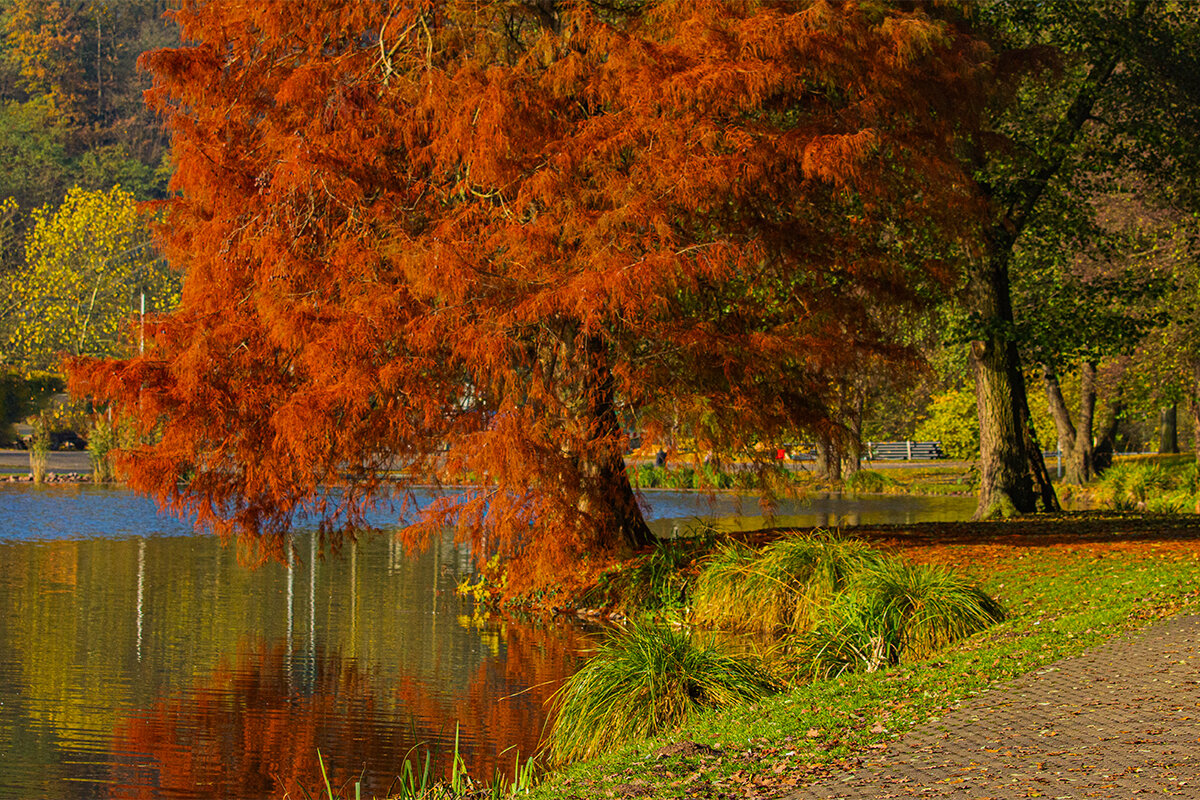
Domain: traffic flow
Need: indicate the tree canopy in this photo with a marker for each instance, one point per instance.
(89, 268)
(472, 238)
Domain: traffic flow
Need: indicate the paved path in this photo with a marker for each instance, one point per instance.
(1122, 721)
(17, 461)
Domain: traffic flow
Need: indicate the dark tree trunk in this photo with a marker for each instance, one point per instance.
(853, 455)
(1013, 473)
(1076, 442)
(607, 499)
(829, 457)
(1013, 477)
(1168, 437)
(1196, 420)
(1106, 436)
(609, 503)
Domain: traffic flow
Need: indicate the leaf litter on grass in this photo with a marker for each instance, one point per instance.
(1137, 568)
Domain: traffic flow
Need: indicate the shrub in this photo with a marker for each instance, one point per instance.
(868, 480)
(656, 581)
(894, 610)
(953, 421)
(643, 681)
(1127, 485)
(783, 588)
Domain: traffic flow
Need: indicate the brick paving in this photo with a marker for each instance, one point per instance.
(1122, 721)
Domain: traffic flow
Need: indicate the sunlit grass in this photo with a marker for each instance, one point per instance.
(1049, 617)
(785, 587)
(643, 681)
(894, 610)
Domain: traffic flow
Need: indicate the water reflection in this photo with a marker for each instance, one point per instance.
(254, 725)
(677, 513)
(155, 666)
(138, 659)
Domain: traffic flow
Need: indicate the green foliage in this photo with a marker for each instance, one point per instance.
(412, 784)
(709, 477)
(894, 610)
(869, 480)
(954, 422)
(653, 582)
(87, 264)
(71, 104)
(1147, 486)
(645, 680)
(785, 587)
(104, 436)
(23, 395)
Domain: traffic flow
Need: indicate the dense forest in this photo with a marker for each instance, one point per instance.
(81, 159)
(720, 223)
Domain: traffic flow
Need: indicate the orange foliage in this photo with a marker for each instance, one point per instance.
(503, 228)
(255, 726)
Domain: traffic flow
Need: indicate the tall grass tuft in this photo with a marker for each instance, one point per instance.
(1129, 486)
(643, 681)
(785, 587)
(868, 480)
(658, 581)
(719, 597)
(39, 448)
(894, 610)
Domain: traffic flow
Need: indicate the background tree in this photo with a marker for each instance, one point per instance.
(1087, 281)
(71, 109)
(502, 228)
(88, 264)
(1118, 66)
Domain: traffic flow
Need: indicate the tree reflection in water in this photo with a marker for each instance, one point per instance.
(253, 727)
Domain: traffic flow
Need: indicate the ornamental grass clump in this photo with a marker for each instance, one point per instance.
(1128, 486)
(784, 588)
(645, 680)
(658, 580)
(895, 610)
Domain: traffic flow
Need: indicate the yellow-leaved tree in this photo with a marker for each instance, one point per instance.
(89, 267)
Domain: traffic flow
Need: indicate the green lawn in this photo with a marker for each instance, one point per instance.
(1062, 598)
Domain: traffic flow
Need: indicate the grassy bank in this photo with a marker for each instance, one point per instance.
(1067, 585)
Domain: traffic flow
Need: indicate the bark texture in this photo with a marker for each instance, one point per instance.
(1078, 451)
(1013, 476)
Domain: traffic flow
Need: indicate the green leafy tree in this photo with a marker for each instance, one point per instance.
(88, 265)
(1105, 87)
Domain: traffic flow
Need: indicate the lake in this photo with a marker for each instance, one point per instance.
(138, 659)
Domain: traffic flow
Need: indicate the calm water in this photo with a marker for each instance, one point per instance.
(138, 659)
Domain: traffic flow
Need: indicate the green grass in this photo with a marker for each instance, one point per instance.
(892, 611)
(1059, 602)
(869, 480)
(645, 680)
(413, 784)
(785, 587)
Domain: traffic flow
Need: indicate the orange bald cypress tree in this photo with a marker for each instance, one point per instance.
(501, 227)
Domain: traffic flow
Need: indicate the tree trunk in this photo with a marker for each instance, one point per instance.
(1077, 445)
(1106, 436)
(1196, 420)
(829, 457)
(1013, 474)
(608, 502)
(607, 499)
(853, 456)
(1013, 477)
(1168, 438)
